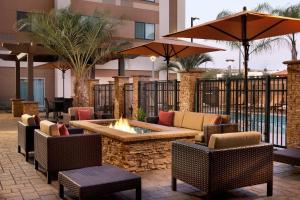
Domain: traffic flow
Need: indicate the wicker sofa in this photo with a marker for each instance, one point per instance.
(58, 153)
(202, 122)
(25, 134)
(73, 114)
(230, 161)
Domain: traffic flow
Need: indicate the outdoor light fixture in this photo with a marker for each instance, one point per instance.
(21, 55)
(192, 23)
(152, 58)
(230, 61)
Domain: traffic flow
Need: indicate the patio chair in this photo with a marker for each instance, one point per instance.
(73, 114)
(49, 109)
(58, 153)
(230, 161)
(25, 134)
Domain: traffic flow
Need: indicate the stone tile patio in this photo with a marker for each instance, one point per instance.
(19, 180)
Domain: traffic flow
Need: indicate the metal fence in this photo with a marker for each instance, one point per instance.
(267, 104)
(128, 99)
(153, 96)
(104, 96)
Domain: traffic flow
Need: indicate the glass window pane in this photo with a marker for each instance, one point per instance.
(139, 30)
(150, 31)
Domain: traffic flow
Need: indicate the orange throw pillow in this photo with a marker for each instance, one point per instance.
(63, 131)
(37, 120)
(166, 118)
(84, 114)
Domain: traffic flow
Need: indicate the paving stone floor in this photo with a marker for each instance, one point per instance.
(19, 180)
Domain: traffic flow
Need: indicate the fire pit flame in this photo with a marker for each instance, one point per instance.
(122, 125)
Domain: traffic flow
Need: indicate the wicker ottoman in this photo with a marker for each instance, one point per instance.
(91, 182)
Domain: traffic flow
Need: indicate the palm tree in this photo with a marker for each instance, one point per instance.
(290, 40)
(82, 41)
(188, 63)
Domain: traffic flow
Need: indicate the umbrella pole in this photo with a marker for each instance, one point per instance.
(245, 43)
(168, 62)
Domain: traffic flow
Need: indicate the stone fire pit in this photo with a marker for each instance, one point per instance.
(136, 151)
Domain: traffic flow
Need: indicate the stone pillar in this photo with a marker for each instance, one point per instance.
(30, 107)
(187, 90)
(135, 92)
(90, 90)
(17, 107)
(119, 95)
(293, 103)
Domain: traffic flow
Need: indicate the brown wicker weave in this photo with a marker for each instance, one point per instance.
(25, 138)
(221, 170)
(66, 152)
(218, 129)
(90, 182)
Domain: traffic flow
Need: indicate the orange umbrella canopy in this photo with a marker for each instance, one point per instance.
(229, 28)
(168, 48)
(61, 65)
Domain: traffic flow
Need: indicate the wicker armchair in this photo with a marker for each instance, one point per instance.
(220, 170)
(25, 138)
(58, 153)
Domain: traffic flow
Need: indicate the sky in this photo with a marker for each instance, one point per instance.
(208, 10)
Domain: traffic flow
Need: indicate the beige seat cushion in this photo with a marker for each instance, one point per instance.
(73, 111)
(230, 140)
(200, 137)
(49, 128)
(178, 118)
(210, 119)
(225, 119)
(193, 120)
(28, 120)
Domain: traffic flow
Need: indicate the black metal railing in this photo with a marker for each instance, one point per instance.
(267, 104)
(104, 100)
(153, 96)
(128, 99)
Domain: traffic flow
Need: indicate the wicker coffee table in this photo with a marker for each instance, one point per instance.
(95, 181)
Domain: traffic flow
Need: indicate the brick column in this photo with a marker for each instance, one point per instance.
(135, 92)
(17, 107)
(293, 103)
(119, 95)
(187, 90)
(90, 89)
(30, 107)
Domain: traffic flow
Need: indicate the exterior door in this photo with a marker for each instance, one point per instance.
(38, 90)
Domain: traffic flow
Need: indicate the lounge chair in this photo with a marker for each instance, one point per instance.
(56, 153)
(230, 161)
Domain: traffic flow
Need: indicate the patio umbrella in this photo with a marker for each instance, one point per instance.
(242, 27)
(168, 48)
(60, 65)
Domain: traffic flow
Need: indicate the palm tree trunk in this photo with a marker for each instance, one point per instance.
(294, 48)
(80, 91)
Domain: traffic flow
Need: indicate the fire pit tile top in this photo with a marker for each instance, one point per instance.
(158, 131)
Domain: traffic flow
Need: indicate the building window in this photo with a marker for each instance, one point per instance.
(23, 15)
(144, 31)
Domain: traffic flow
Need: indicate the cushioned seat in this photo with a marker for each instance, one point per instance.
(200, 137)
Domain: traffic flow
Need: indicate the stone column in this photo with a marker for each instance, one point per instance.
(30, 107)
(119, 95)
(90, 89)
(293, 103)
(135, 92)
(187, 90)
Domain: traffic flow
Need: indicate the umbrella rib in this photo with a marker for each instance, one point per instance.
(154, 51)
(267, 29)
(175, 53)
(224, 32)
